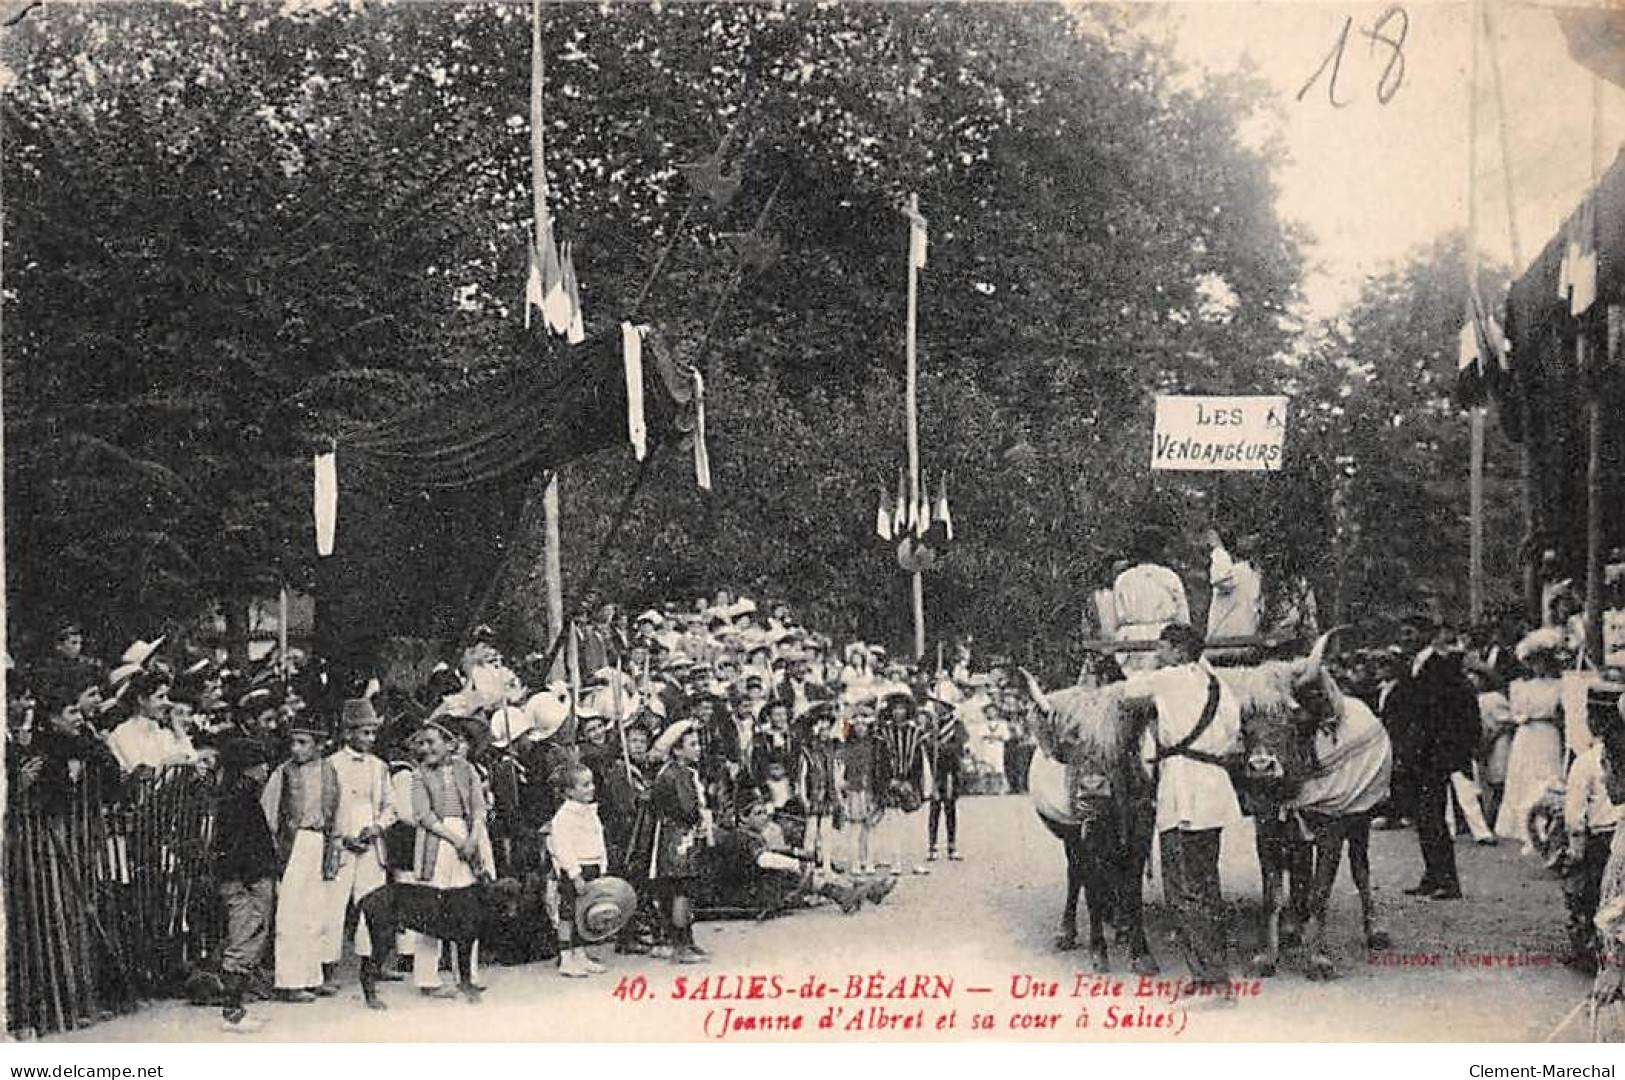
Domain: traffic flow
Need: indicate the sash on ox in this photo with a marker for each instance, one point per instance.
(1353, 765)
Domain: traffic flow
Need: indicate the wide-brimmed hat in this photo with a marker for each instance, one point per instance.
(548, 710)
(603, 906)
(133, 660)
(651, 616)
(669, 738)
(508, 724)
(1541, 642)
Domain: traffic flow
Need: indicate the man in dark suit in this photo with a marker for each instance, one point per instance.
(1432, 715)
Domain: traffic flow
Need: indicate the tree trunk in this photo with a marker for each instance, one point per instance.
(236, 612)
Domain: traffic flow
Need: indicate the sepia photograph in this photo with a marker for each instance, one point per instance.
(811, 522)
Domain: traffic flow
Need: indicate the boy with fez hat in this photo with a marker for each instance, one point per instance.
(301, 803)
(365, 811)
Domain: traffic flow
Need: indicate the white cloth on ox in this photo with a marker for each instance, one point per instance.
(301, 907)
(1356, 769)
(1046, 784)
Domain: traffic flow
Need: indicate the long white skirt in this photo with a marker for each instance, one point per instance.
(359, 874)
(450, 872)
(1535, 762)
(301, 909)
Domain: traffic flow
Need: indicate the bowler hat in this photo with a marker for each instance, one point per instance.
(603, 906)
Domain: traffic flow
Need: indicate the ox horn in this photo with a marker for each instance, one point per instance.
(1313, 664)
(1036, 692)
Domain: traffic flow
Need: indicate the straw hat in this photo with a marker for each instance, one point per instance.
(669, 738)
(603, 906)
(1548, 639)
(547, 711)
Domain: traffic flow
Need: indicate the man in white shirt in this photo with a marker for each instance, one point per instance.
(1198, 725)
(1237, 591)
(365, 809)
(1145, 598)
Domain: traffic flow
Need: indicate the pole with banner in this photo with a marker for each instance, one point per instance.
(916, 259)
(552, 568)
(1475, 496)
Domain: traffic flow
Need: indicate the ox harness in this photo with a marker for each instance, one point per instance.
(1183, 748)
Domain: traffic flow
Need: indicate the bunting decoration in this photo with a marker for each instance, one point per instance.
(1482, 354)
(883, 517)
(702, 457)
(576, 332)
(326, 501)
(917, 239)
(545, 287)
(533, 283)
(1577, 274)
(922, 514)
(941, 515)
(1596, 39)
(632, 360)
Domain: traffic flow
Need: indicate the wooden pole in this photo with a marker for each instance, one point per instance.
(1475, 515)
(1526, 451)
(282, 627)
(1591, 376)
(918, 584)
(552, 568)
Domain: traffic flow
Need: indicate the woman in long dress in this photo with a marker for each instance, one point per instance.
(1536, 758)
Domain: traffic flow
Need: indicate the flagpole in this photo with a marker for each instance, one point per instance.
(917, 583)
(552, 568)
(1588, 364)
(1475, 513)
(1526, 451)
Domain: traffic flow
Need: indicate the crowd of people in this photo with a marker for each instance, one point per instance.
(719, 757)
(1487, 738)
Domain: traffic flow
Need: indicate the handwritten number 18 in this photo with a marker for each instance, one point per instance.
(1388, 31)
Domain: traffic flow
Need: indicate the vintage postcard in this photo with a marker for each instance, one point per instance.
(839, 522)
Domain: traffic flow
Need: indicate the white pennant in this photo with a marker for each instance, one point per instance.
(632, 356)
(326, 502)
(702, 457)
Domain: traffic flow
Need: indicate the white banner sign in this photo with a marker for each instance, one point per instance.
(1219, 433)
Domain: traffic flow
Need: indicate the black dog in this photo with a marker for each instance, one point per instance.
(460, 916)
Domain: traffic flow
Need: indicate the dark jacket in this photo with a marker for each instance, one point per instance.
(58, 749)
(244, 849)
(1433, 718)
(679, 812)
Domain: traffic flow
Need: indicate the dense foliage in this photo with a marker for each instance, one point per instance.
(230, 229)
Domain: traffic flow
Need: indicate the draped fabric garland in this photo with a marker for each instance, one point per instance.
(428, 501)
(1541, 401)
